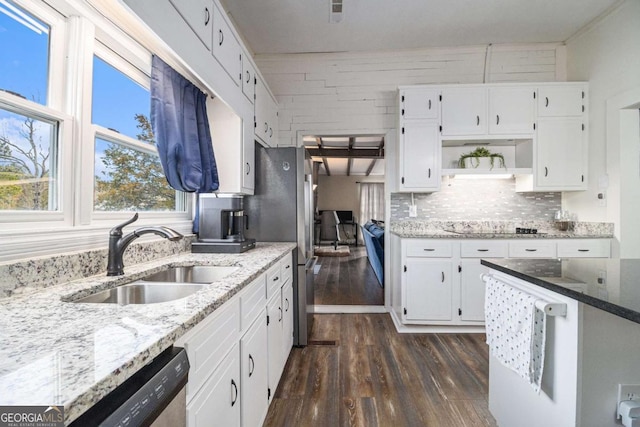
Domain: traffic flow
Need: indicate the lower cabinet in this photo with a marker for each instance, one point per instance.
(237, 355)
(254, 373)
(441, 279)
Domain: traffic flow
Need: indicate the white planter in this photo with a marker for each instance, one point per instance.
(480, 163)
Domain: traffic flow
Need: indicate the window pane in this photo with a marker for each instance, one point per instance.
(117, 100)
(24, 53)
(28, 163)
(127, 179)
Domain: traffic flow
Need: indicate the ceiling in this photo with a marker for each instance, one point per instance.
(347, 155)
(295, 26)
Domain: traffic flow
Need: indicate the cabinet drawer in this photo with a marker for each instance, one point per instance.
(273, 280)
(532, 249)
(483, 249)
(208, 342)
(428, 248)
(286, 268)
(252, 300)
(584, 248)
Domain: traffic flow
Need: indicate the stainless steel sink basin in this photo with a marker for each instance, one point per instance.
(191, 274)
(143, 293)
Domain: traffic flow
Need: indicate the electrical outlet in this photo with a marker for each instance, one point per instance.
(413, 211)
(627, 392)
(602, 277)
(602, 198)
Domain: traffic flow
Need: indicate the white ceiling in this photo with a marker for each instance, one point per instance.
(296, 26)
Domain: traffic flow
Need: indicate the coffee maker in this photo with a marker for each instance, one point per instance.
(221, 223)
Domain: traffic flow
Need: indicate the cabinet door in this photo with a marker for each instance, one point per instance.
(472, 291)
(254, 400)
(273, 122)
(419, 103)
(428, 289)
(511, 110)
(219, 398)
(248, 77)
(560, 154)
(262, 111)
(226, 48)
(420, 157)
(287, 323)
(248, 156)
(274, 334)
(561, 101)
(464, 111)
(198, 14)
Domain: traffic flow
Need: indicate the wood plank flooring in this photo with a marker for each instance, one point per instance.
(347, 280)
(373, 376)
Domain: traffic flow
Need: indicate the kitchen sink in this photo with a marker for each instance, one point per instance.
(143, 293)
(191, 274)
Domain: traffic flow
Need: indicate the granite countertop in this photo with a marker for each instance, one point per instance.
(608, 284)
(498, 230)
(57, 352)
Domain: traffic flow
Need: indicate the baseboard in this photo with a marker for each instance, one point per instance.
(434, 329)
(357, 309)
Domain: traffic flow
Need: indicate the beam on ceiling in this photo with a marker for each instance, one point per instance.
(350, 160)
(324, 158)
(356, 153)
(370, 168)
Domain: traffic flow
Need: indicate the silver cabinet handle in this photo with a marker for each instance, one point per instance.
(429, 173)
(497, 119)
(546, 103)
(248, 168)
(234, 399)
(248, 76)
(275, 279)
(583, 250)
(280, 319)
(531, 250)
(220, 37)
(477, 120)
(266, 127)
(483, 250)
(546, 171)
(207, 16)
(443, 277)
(270, 132)
(429, 104)
(428, 250)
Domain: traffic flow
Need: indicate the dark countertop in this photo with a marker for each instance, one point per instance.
(612, 285)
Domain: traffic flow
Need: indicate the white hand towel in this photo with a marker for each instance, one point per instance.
(515, 330)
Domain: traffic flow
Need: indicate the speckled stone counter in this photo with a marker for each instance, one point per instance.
(497, 230)
(57, 352)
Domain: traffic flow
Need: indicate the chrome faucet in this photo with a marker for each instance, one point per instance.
(118, 243)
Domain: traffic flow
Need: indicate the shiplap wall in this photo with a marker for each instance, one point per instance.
(356, 92)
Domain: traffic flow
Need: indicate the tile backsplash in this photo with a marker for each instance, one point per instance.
(479, 199)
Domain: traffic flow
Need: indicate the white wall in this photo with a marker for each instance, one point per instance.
(342, 192)
(356, 92)
(607, 54)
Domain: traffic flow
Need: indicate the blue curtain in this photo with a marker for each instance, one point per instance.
(181, 128)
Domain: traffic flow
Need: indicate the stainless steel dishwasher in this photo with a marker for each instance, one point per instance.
(154, 396)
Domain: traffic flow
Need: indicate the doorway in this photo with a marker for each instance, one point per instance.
(344, 167)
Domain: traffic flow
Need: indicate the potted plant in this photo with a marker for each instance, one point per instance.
(474, 158)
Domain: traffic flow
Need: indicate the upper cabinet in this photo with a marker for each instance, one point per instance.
(561, 101)
(198, 14)
(481, 110)
(226, 48)
(248, 78)
(464, 111)
(266, 108)
(419, 104)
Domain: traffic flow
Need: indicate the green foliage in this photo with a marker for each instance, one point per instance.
(133, 180)
(481, 152)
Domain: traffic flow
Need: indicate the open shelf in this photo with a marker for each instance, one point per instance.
(494, 171)
(517, 153)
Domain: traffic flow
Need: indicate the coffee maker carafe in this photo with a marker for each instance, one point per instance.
(222, 222)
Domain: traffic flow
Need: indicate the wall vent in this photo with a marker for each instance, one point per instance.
(335, 11)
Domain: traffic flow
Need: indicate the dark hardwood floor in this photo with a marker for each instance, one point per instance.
(347, 280)
(363, 373)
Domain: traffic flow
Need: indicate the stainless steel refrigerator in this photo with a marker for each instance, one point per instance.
(281, 210)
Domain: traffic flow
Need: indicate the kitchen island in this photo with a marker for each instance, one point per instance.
(56, 352)
(589, 351)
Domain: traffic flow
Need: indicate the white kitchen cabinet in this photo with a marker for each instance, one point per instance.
(531, 248)
(471, 290)
(562, 100)
(464, 111)
(584, 248)
(275, 313)
(561, 154)
(419, 103)
(287, 323)
(220, 397)
(225, 47)
(248, 78)
(266, 109)
(198, 14)
(428, 289)
(419, 158)
(254, 391)
(511, 110)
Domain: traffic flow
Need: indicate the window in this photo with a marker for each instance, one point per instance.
(24, 53)
(128, 175)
